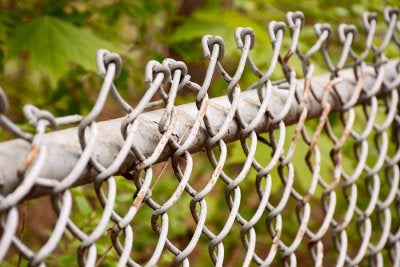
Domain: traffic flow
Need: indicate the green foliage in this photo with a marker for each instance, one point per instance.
(53, 44)
(48, 48)
(220, 22)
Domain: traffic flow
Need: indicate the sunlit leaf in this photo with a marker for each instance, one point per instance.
(53, 44)
(218, 22)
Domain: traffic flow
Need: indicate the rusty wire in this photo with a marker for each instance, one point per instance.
(375, 149)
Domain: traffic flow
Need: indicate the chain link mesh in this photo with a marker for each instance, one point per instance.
(293, 200)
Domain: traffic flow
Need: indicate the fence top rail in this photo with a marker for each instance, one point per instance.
(63, 147)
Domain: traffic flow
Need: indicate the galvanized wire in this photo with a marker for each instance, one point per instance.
(360, 203)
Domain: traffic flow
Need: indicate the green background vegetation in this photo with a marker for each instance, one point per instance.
(47, 58)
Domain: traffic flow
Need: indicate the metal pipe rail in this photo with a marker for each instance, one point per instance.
(63, 147)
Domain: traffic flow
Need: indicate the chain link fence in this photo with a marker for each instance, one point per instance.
(324, 191)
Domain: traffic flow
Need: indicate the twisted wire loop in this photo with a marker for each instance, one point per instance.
(344, 212)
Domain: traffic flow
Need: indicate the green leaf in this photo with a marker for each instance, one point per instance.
(218, 22)
(223, 22)
(53, 44)
(82, 202)
(232, 19)
(195, 29)
(2, 32)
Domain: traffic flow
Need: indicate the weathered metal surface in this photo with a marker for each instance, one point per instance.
(64, 150)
